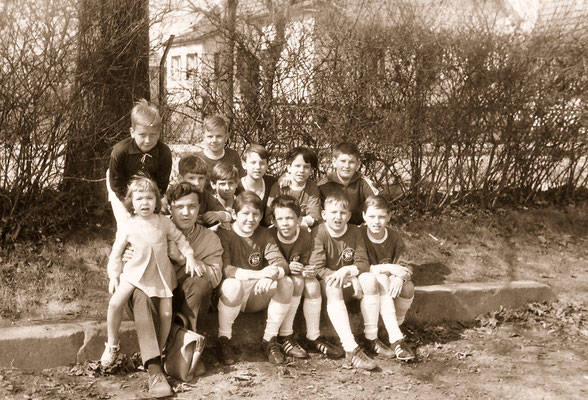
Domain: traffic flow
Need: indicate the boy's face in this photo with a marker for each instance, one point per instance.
(215, 140)
(197, 180)
(146, 137)
(184, 211)
(346, 165)
(336, 216)
(255, 166)
(225, 189)
(144, 203)
(376, 219)
(299, 170)
(286, 221)
(247, 219)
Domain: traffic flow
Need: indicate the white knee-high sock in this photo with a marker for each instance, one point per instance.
(388, 313)
(276, 312)
(402, 305)
(340, 319)
(226, 316)
(287, 327)
(370, 311)
(312, 317)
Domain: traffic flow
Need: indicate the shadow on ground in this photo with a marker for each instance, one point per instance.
(433, 273)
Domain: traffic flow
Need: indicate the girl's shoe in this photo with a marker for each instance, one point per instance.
(109, 356)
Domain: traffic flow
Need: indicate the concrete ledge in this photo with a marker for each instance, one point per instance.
(46, 346)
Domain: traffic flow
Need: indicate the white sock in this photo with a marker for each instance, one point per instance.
(276, 312)
(226, 316)
(388, 313)
(340, 319)
(402, 305)
(287, 327)
(312, 316)
(370, 310)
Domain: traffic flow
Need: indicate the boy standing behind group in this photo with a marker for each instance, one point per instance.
(224, 180)
(346, 176)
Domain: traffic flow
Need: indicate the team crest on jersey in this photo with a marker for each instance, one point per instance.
(295, 257)
(348, 254)
(386, 261)
(255, 259)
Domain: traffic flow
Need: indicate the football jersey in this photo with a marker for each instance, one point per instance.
(298, 250)
(387, 252)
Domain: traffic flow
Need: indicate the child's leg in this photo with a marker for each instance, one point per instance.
(370, 304)
(403, 302)
(278, 307)
(165, 317)
(312, 308)
(229, 306)
(337, 311)
(287, 327)
(115, 309)
(387, 309)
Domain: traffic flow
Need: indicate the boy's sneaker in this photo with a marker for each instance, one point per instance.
(322, 345)
(224, 351)
(358, 359)
(402, 352)
(272, 351)
(378, 347)
(109, 356)
(291, 347)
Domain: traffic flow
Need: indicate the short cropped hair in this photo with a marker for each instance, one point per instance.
(337, 197)
(256, 148)
(192, 164)
(180, 190)
(248, 198)
(286, 201)
(308, 155)
(224, 172)
(216, 122)
(376, 201)
(141, 183)
(145, 114)
(347, 148)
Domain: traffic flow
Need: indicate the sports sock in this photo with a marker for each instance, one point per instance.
(312, 317)
(388, 313)
(226, 317)
(402, 305)
(340, 319)
(370, 311)
(287, 327)
(276, 312)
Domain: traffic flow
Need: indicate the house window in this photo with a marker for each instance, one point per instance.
(175, 68)
(191, 66)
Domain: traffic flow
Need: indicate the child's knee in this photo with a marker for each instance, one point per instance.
(333, 293)
(369, 283)
(285, 286)
(232, 290)
(407, 290)
(312, 288)
(298, 281)
(383, 283)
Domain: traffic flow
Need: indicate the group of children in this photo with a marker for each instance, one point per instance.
(283, 239)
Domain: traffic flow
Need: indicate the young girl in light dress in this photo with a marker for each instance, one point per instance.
(150, 269)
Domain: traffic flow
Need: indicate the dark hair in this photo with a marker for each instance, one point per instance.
(285, 201)
(346, 148)
(141, 183)
(308, 155)
(256, 148)
(224, 172)
(337, 197)
(192, 164)
(180, 190)
(376, 201)
(248, 198)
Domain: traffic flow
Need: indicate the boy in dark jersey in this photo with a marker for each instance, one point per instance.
(296, 244)
(339, 252)
(384, 248)
(255, 278)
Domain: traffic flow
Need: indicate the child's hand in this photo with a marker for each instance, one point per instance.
(307, 221)
(310, 271)
(174, 253)
(284, 181)
(270, 272)
(296, 267)
(263, 286)
(113, 284)
(211, 217)
(336, 279)
(194, 267)
(128, 254)
(395, 287)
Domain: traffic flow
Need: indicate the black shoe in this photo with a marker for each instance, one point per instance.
(322, 345)
(377, 347)
(224, 351)
(272, 351)
(402, 352)
(358, 359)
(291, 347)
